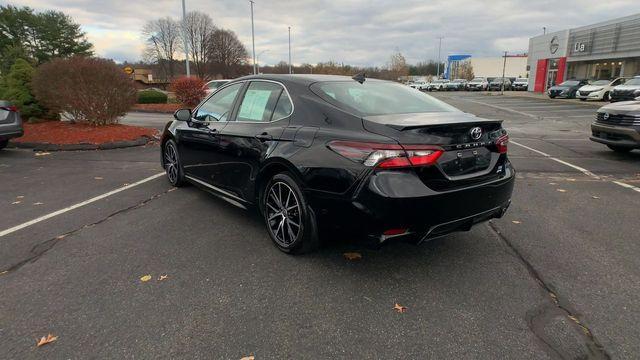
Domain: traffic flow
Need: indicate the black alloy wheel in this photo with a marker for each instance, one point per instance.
(290, 222)
(172, 165)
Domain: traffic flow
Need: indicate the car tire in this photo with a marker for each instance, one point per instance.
(552, 96)
(619, 149)
(583, 99)
(172, 164)
(606, 97)
(3, 144)
(282, 205)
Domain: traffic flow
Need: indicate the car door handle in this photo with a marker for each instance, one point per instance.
(264, 137)
(212, 132)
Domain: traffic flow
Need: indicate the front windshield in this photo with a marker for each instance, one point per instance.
(498, 79)
(477, 80)
(601, 82)
(634, 81)
(378, 98)
(522, 80)
(570, 83)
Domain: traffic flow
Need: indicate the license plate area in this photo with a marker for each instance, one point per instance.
(465, 162)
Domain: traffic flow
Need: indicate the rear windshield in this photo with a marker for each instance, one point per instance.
(378, 98)
(570, 83)
(478, 79)
(522, 79)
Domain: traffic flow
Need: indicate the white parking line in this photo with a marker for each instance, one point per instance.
(504, 108)
(75, 206)
(581, 169)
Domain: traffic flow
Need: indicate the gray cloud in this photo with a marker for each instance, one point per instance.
(359, 32)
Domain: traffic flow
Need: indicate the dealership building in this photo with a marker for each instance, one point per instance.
(604, 50)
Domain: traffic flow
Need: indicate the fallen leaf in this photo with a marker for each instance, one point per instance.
(19, 197)
(42, 153)
(250, 357)
(595, 197)
(145, 278)
(162, 277)
(46, 340)
(570, 179)
(16, 202)
(352, 256)
(38, 203)
(553, 183)
(172, 189)
(399, 308)
(98, 178)
(561, 190)
(4, 272)
(516, 222)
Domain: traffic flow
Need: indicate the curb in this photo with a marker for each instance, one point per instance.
(144, 140)
(152, 112)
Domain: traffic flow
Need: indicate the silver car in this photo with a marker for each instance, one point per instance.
(10, 123)
(618, 126)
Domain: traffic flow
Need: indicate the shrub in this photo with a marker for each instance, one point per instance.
(16, 87)
(189, 90)
(151, 97)
(85, 89)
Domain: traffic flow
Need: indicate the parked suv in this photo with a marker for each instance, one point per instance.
(421, 85)
(10, 123)
(456, 85)
(567, 89)
(496, 84)
(521, 84)
(618, 126)
(627, 91)
(598, 90)
(479, 83)
(437, 85)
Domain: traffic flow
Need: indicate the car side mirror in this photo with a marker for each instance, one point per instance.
(182, 115)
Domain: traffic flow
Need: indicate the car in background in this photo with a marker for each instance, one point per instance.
(520, 84)
(498, 83)
(617, 125)
(478, 83)
(392, 163)
(437, 85)
(567, 89)
(598, 90)
(10, 123)
(420, 85)
(213, 85)
(456, 85)
(627, 91)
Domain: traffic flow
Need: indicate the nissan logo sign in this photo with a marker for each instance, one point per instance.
(606, 116)
(476, 133)
(554, 45)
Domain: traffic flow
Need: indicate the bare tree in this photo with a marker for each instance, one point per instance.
(226, 53)
(398, 66)
(162, 42)
(465, 70)
(199, 27)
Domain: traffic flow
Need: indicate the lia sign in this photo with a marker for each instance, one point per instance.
(579, 47)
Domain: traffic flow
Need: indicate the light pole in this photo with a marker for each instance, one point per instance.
(258, 59)
(544, 30)
(253, 39)
(289, 49)
(439, 49)
(186, 41)
(504, 65)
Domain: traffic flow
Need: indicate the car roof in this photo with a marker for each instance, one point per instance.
(300, 79)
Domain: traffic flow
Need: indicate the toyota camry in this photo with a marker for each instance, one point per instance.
(355, 154)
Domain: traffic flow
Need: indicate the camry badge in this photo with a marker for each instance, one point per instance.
(476, 133)
(606, 116)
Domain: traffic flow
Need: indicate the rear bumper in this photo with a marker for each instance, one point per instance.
(6, 134)
(615, 135)
(400, 200)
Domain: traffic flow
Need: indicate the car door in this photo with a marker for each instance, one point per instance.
(261, 116)
(198, 140)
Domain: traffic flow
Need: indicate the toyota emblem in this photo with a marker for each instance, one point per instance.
(476, 133)
(606, 116)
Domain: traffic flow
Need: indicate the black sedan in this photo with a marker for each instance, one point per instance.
(354, 154)
(567, 89)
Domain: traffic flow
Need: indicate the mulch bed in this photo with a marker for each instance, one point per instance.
(159, 108)
(64, 133)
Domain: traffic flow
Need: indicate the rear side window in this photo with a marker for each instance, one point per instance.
(377, 98)
(259, 101)
(284, 107)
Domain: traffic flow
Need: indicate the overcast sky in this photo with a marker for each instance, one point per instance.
(357, 32)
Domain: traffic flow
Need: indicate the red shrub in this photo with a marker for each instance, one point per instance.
(84, 89)
(189, 90)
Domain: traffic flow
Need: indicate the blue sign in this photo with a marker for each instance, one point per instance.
(450, 60)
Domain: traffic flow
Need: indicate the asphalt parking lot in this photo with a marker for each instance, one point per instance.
(557, 277)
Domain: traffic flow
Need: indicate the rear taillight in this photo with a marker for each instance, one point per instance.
(9, 108)
(501, 144)
(387, 156)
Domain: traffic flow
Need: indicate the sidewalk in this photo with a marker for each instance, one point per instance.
(539, 96)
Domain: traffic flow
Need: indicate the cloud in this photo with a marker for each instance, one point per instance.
(358, 32)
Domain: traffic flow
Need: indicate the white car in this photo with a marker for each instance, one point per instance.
(479, 83)
(599, 89)
(437, 85)
(213, 85)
